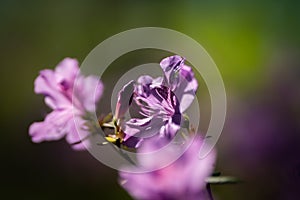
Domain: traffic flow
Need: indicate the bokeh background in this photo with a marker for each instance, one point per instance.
(255, 45)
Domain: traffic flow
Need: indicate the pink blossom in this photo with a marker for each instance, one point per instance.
(69, 104)
(183, 179)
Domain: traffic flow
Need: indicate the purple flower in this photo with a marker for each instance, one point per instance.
(160, 101)
(69, 104)
(183, 179)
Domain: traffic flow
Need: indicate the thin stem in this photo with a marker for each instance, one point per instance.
(210, 196)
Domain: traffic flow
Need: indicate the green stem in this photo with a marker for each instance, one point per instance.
(210, 196)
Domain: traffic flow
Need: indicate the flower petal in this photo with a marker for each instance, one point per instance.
(54, 127)
(46, 84)
(143, 128)
(78, 134)
(87, 92)
(124, 99)
(57, 85)
(67, 70)
(169, 130)
(180, 78)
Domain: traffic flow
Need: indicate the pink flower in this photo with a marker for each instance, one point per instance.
(183, 179)
(69, 104)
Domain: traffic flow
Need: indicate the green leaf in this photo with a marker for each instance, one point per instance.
(221, 180)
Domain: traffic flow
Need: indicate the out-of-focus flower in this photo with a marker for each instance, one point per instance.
(69, 104)
(263, 132)
(183, 179)
(160, 101)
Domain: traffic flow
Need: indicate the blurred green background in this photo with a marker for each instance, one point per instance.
(253, 43)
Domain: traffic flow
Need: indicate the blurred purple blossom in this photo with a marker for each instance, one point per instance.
(69, 104)
(182, 179)
(263, 133)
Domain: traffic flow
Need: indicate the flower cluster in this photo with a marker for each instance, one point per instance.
(160, 104)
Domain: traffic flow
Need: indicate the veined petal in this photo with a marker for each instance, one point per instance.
(170, 63)
(143, 128)
(187, 87)
(132, 142)
(124, 99)
(180, 78)
(169, 130)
